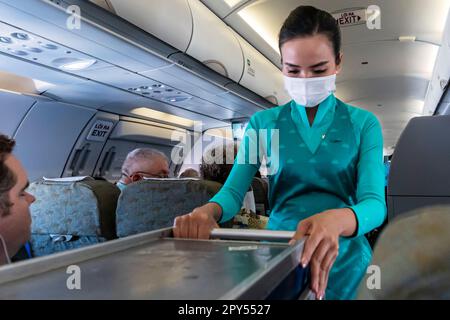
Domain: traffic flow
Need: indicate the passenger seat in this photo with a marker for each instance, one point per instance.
(153, 204)
(260, 190)
(70, 213)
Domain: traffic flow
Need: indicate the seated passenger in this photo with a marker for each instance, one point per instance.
(219, 171)
(15, 219)
(412, 258)
(143, 163)
(190, 173)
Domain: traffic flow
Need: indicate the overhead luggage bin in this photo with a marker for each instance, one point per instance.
(261, 76)
(170, 21)
(213, 53)
(214, 44)
(127, 60)
(117, 43)
(155, 266)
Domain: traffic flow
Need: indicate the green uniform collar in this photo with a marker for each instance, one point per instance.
(313, 135)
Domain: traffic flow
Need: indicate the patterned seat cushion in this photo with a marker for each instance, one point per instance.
(44, 244)
(72, 214)
(153, 204)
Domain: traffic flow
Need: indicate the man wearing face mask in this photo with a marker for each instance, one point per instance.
(143, 163)
(15, 219)
(329, 185)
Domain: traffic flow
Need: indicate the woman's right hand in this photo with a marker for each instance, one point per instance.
(199, 223)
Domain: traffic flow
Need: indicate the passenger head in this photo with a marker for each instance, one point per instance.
(310, 44)
(144, 163)
(190, 173)
(15, 219)
(216, 166)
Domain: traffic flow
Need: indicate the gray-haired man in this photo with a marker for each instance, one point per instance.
(143, 163)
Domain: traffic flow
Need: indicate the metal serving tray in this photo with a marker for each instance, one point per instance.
(154, 265)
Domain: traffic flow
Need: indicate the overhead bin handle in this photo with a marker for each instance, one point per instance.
(254, 235)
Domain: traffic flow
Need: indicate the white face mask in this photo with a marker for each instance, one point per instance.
(310, 92)
(121, 185)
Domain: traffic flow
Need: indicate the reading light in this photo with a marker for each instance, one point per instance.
(20, 36)
(73, 64)
(50, 46)
(176, 98)
(17, 52)
(34, 50)
(5, 40)
(32, 47)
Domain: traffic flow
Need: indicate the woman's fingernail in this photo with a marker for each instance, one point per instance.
(321, 297)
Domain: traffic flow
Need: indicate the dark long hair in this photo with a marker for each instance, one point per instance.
(307, 21)
(218, 172)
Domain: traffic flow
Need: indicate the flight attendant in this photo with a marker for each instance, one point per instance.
(329, 185)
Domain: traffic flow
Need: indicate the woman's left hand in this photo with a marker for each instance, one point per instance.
(322, 246)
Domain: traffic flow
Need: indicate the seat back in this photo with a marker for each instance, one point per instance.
(154, 204)
(71, 213)
(420, 172)
(260, 191)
